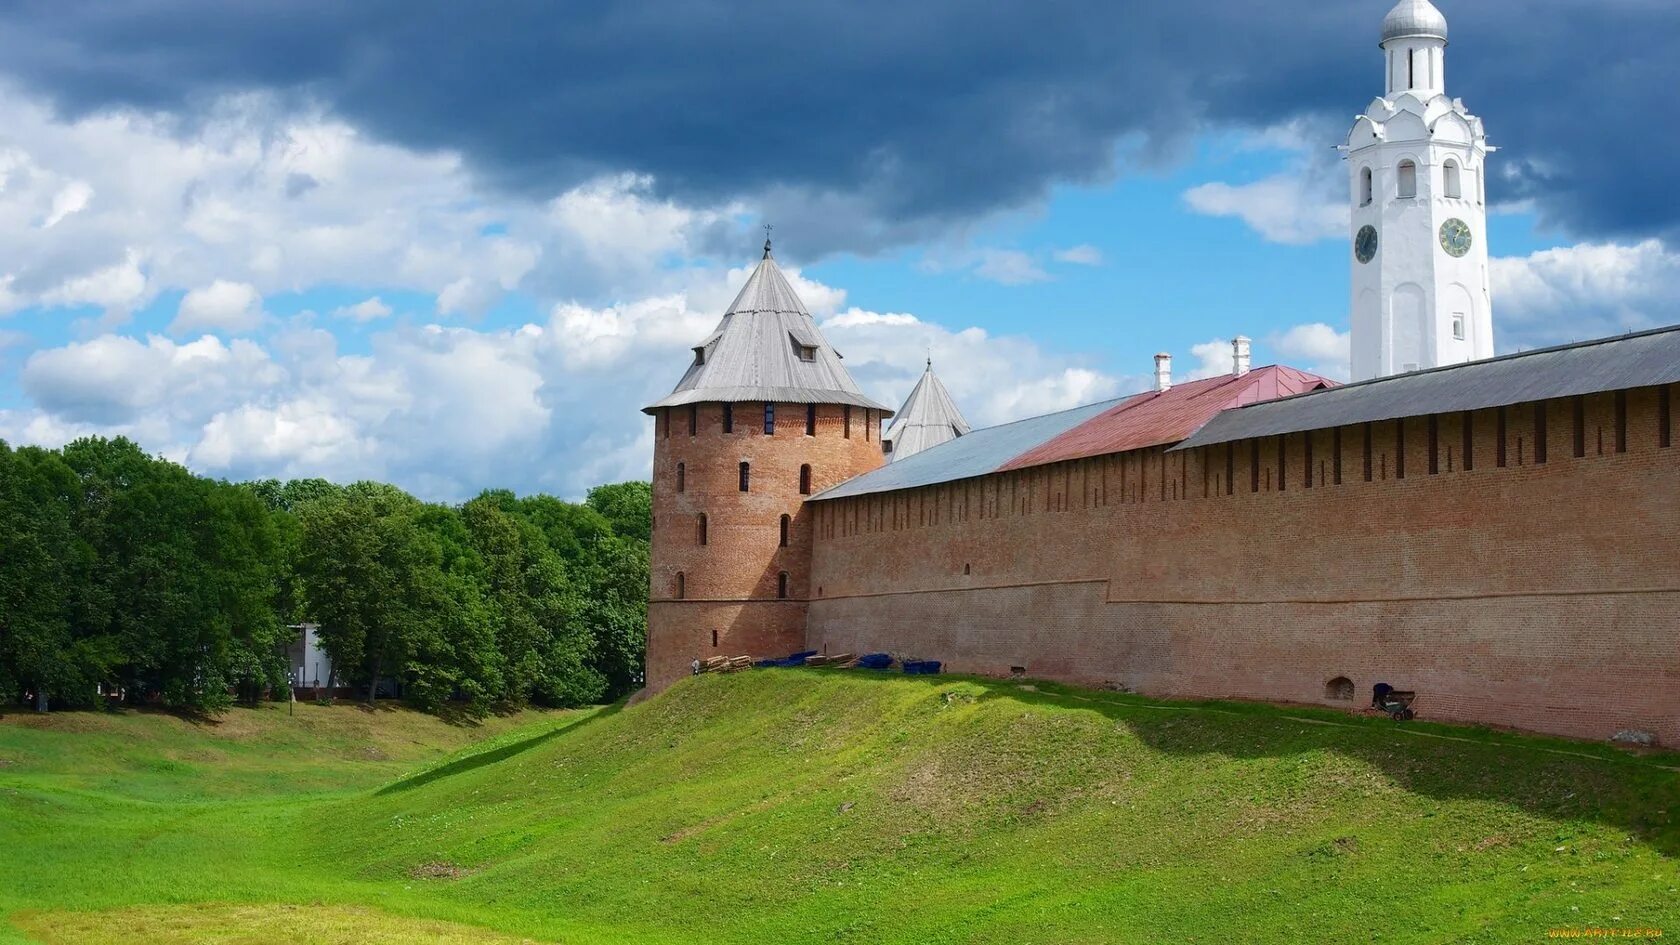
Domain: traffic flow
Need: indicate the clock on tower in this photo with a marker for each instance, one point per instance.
(1418, 221)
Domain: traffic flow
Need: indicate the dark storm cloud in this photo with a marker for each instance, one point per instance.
(892, 116)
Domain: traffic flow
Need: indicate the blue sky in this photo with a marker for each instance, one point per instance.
(283, 240)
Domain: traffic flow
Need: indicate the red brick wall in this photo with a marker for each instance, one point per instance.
(731, 584)
(1538, 596)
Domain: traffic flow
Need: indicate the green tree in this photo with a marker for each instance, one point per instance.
(187, 567)
(628, 506)
(614, 583)
(43, 564)
(547, 653)
(392, 583)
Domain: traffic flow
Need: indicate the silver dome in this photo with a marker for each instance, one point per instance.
(1414, 18)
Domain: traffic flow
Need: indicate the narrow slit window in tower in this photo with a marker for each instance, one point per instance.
(1621, 420)
(1499, 438)
(1665, 424)
(1580, 416)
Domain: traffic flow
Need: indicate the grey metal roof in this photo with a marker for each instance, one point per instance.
(1643, 359)
(928, 418)
(976, 454)
(1414, 18)
(754, 353)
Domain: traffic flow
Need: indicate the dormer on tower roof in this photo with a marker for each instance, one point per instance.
(928, 418)
(767, 348)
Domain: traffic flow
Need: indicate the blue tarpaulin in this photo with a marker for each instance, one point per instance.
(921, 667)
(874, 661)
(795, 659)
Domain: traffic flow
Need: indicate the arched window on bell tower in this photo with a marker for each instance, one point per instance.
(1408, 178)
(1367, 187)
(1450, 180)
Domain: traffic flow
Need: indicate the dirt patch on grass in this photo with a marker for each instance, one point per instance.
(439, 869)
(251, 925)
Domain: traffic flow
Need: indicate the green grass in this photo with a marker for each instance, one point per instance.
(828, 806)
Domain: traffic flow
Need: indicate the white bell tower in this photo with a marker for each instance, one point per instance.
(1418, 233)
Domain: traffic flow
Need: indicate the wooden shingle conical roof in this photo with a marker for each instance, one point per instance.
(767, 348)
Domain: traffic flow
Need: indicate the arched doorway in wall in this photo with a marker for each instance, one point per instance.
(1339, 689)
(1408, 329)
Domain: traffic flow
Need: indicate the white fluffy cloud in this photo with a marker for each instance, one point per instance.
(112, 209)
(230, 307)
(994, 379)
(1588, 290)
(445, 410)
(367, 310)
(1289, 207)
(1304, 202)
(1315, 347)
(122, 381)
(1082, 255)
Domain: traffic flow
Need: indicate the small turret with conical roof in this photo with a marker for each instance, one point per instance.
(928, 418)
(765, 415)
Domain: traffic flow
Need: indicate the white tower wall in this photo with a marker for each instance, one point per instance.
(1415, 305)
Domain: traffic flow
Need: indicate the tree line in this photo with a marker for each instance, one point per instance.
(125, 573)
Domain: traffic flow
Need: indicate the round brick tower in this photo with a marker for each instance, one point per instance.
(765, 416)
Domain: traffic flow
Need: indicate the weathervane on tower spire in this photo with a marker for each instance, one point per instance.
(767, 228)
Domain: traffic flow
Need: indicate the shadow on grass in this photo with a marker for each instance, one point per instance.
(475, 761)
(1545, 776)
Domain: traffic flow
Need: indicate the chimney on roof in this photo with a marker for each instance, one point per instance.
(1240, 357)
(1163, 372)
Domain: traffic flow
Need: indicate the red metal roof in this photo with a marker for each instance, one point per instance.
(1155, 418)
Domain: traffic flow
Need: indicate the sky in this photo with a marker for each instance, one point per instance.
(459, 246)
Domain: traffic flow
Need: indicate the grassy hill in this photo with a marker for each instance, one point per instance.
(831, 806)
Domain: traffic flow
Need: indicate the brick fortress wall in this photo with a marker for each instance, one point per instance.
(1534, 590)
(731, 601)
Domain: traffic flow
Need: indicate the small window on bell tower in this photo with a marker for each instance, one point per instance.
(1366, 186)
(1450, 184)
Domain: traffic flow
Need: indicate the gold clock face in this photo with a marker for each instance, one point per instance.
(1455, 237)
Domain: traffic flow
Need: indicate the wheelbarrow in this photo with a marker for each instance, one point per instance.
(1395, 702)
